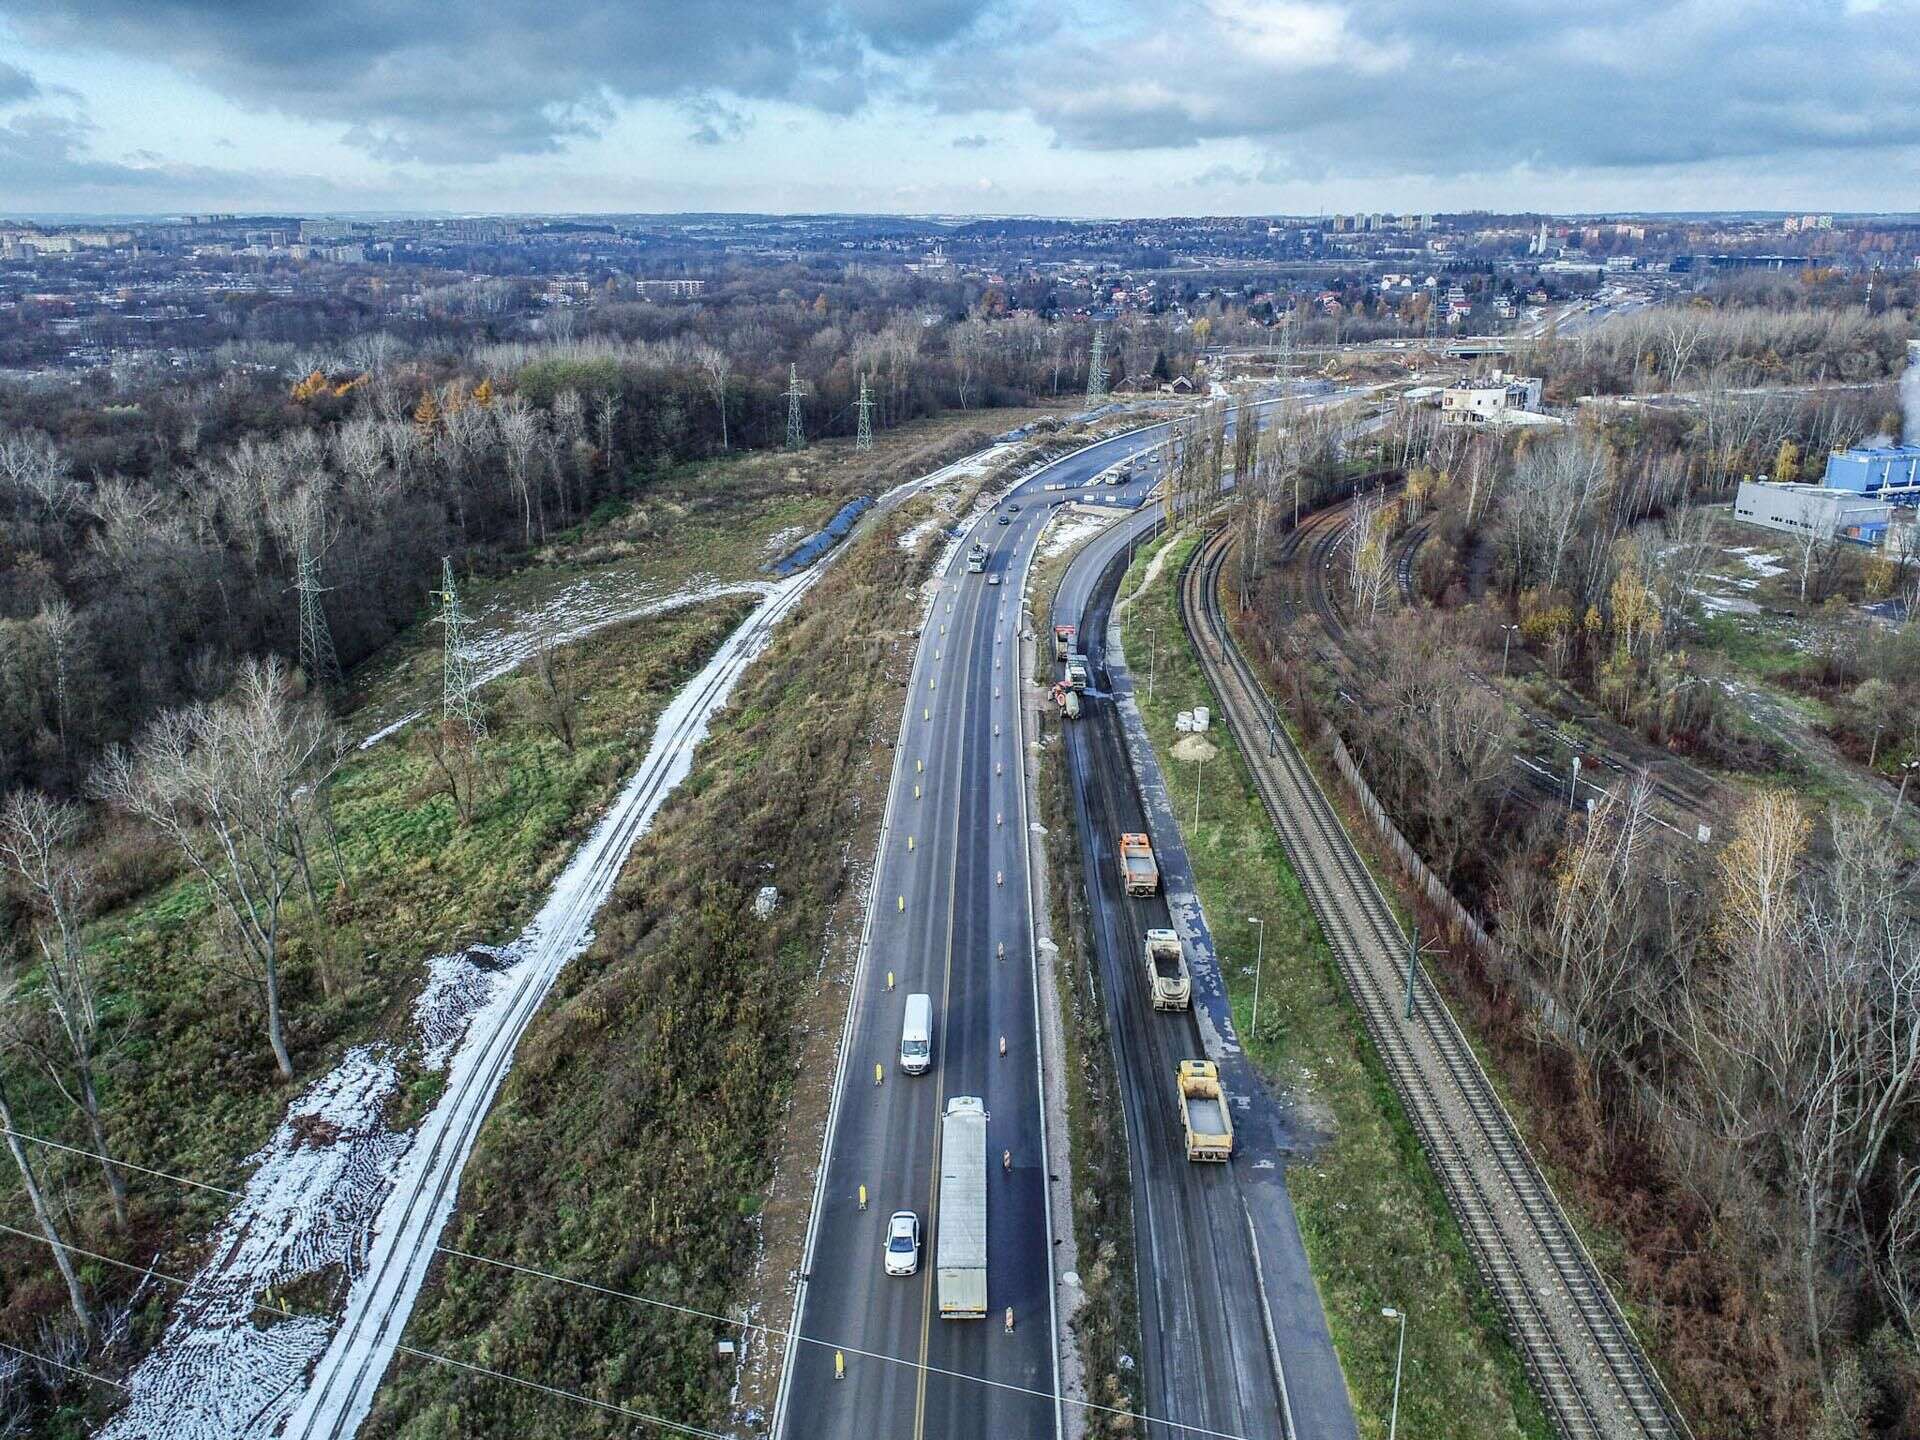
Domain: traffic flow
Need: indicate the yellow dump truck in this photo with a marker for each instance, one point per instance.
(1203, 1109)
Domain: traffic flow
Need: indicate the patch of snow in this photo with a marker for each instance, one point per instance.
(781, 541)
(1762, 564)
(910, 538)
(1067, 530)
(227, 1365)
(1725, 604)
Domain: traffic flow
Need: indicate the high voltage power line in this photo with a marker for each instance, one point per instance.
(605, 1292)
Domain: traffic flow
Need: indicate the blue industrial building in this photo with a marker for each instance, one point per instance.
(1875, 469)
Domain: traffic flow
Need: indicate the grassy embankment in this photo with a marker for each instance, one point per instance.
(1375, 1220)
(632, 1143)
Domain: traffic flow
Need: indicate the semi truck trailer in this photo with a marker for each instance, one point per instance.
(960, 1240)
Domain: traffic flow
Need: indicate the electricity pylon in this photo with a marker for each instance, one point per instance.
(318, 661)
(1097, 370)
(863, 438)
(457, 681)
(796, 432)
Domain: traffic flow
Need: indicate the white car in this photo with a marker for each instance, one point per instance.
(903, 1243)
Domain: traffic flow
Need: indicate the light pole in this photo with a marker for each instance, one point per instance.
(1505, 646)
(1153, 651)
(1199, 765)
(1393, 1422)
(1573, 786)
(1259, 963)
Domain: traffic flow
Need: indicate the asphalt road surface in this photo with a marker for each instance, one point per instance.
(1234, 1338)
(951, 888)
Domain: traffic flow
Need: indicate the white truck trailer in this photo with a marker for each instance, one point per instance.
(960, 1240)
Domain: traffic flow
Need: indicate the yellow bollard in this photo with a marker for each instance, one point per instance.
(999, 877)
(902, 902)
(916, 792)
(932, 684)
(996, 730)
(926, 713)
(1003, 1046)
(839, 1366)
(999, 818)
(919, 766)
(889, 979)
(863, 1197)
(909, 842)
(879, 1073)
(998, 768)
(1009, 1319)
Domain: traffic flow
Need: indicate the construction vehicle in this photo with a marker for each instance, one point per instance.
(960, 1247)
(977, 558)
(1167, 971)
(1062, 641)
(1203, 1110)
(1137, 868)
(1077, 674)
(1068, 699)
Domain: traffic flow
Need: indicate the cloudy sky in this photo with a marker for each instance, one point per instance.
(1063, 107)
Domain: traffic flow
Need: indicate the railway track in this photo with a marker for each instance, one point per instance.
(1586, 1364)
(1688, 796)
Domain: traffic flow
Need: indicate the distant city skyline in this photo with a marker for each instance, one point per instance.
(943, 107)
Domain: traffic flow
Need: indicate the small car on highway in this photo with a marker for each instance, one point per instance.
(1006, 519)
(903, 1243)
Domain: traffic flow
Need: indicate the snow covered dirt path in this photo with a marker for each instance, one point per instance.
(336, 1187)
(569, 617)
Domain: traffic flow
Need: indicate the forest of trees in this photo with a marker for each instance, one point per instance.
(1735, 1063)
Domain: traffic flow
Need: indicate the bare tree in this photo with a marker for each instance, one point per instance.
(37, 848)
(717, 366)
(520, 428)
(30, 1180)
(220, 782)
(35, 466)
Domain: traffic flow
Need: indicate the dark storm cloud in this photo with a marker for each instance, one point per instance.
(1416, 86)
(479, 79)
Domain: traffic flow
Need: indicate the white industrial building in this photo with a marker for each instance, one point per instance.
(1812, 510)
(1493, 399)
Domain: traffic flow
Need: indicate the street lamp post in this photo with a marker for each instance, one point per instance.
(1259, 964)
(1198, 770)
(1505, 646)
(1393, 1422)
(1153, 651)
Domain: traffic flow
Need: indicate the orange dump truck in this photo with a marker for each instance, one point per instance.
(1137, 866)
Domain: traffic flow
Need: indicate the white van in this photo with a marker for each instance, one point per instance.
(916, 1035)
